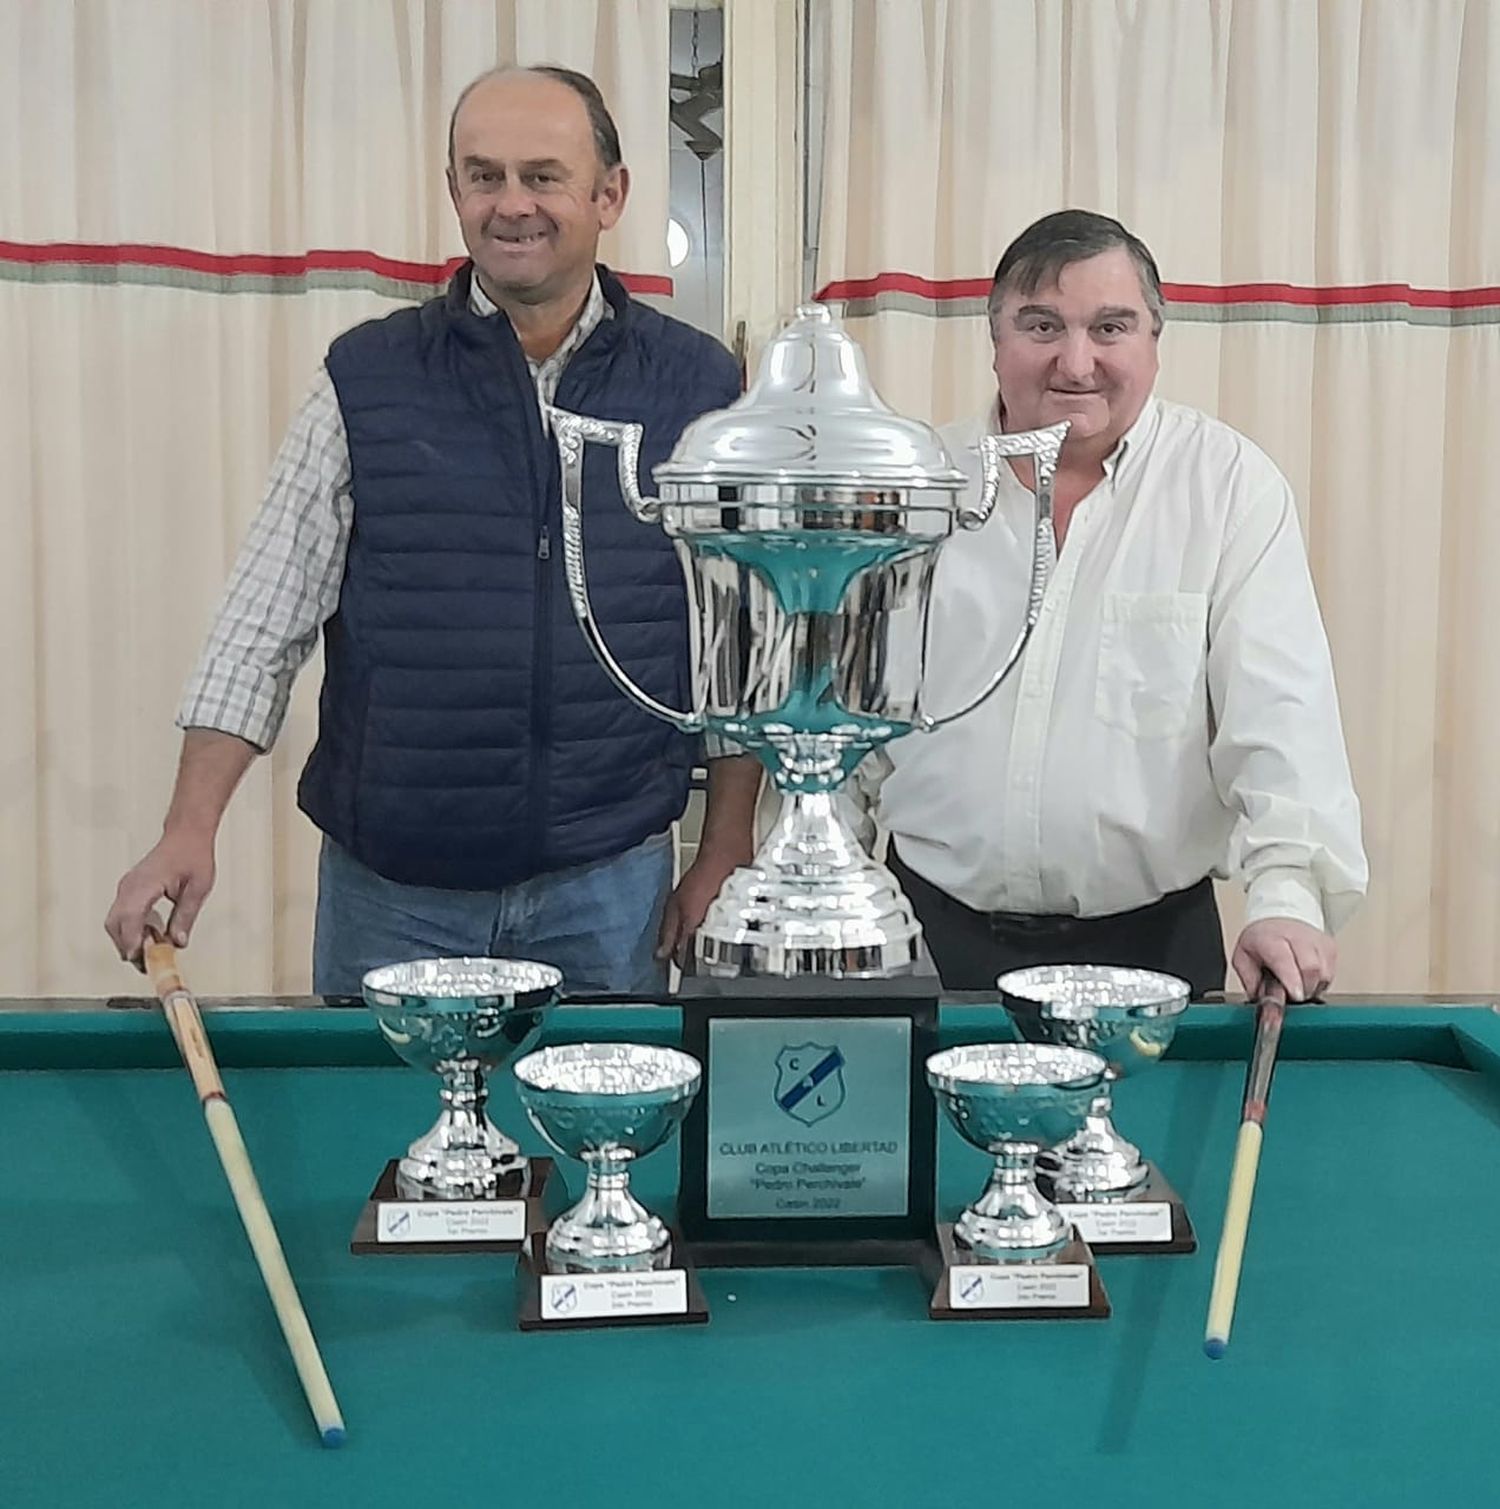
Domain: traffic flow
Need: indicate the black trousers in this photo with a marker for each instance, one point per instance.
(1180, 935)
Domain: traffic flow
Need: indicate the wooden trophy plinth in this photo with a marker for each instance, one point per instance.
(396, 1221)
(552, 1301)
(1065, 1287)
(1151, 1219)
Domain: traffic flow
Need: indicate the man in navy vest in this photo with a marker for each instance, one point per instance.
(482, 787)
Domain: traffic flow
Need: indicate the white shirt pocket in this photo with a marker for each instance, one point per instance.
(1153, 649)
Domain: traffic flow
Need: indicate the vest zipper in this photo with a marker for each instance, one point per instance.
(547, 478)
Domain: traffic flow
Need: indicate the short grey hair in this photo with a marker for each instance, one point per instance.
(601, 122)
(1038, 255)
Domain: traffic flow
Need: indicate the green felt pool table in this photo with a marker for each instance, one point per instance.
(142, 1366)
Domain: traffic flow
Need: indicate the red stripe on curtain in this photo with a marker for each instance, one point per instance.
(263, 264)
(1188, 293)
(905, 282)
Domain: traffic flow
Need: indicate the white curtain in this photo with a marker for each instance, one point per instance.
(1320, 182)
(194, 198)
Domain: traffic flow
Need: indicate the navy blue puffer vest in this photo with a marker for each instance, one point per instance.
(467, 738)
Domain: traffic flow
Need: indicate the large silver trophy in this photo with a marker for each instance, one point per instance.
(807, 517)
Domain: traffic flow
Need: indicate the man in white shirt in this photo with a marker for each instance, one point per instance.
(1174, 717)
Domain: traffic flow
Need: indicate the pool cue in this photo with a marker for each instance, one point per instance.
(183, 1017)
(1270, 1013)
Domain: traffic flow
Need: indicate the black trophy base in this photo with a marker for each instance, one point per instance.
(548, 1301)
(813, 1251)
(394, 1222)
(955, 1296)
(1134, 1226)
(718, 1017)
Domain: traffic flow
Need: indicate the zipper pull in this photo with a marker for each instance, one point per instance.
(544, 545)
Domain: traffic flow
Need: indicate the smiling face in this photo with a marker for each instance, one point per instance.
(1081, 349)
(531, 193)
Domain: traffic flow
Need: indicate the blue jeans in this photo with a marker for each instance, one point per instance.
(596, 922)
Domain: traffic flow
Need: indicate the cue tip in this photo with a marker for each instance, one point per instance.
(1215, 1347)
(334, 1436)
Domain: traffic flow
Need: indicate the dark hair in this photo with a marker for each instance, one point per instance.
(606, 137)
(1039, 254)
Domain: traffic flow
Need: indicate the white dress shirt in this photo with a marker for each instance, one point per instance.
(1173, 716)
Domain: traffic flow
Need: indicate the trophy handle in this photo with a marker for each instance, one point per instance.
(1044, 446)
(573, 432)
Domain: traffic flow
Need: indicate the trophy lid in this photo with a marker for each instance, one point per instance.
(811, 416)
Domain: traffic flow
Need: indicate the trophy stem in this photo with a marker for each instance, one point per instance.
(811, 903)
(1013, 1221)
(464, 1156)
(810, 837)
(465, 1092)
(608, 1229)
(1096, 1163)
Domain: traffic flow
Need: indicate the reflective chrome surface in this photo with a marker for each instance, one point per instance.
(812, 903)
(607, 1104)
(811, 416)
(1014, 1100)
(462, 1018)
(807, 517)
(1129, 1017)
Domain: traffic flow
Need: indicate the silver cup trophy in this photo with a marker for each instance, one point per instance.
(1014, 1101)
(1119, 1201)
(461, 1018)
(807, 517)
(1127, 1016)
(607, 1104)
(1012, 1252)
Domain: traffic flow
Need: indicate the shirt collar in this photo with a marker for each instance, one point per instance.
(595, 308)
(1133, 441)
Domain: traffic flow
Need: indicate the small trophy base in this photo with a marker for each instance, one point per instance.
(1151, 1219)
(1066, 1287)
(525, 1203)
(547, 1301)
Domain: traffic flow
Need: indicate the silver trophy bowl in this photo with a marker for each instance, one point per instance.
(463, 1019)
(1127, 1016)
(607, 1104)
(1014, 1101)
(807, 517)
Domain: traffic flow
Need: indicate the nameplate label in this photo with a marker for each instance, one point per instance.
(1100, 1223)
(600, 1296)
(809, 1117)
(1034, 1286)
(400, 1221)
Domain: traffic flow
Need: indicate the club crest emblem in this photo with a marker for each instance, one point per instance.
(809, 1082)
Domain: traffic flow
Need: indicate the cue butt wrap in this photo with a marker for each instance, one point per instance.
(181, 1012)
(1270, 1016)
(266, 1245)
(1236, 1225)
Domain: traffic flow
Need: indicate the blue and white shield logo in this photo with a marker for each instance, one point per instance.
(809, 1082)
